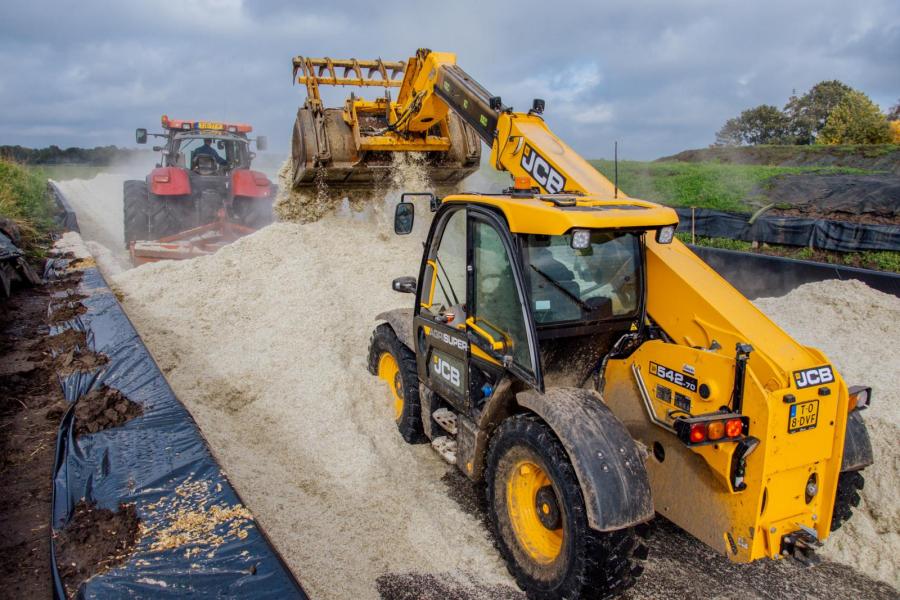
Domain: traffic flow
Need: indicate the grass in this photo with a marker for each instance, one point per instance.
(713, 185)
(879, 260)
(64, 172)
(25, 201)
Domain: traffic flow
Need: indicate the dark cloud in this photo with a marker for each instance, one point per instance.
(658, 76)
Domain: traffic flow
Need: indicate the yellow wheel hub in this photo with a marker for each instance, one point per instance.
(534, 512)
(390, 372)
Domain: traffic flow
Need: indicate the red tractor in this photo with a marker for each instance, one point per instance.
(203, 178)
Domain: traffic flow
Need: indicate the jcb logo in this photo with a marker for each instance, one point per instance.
(538, 167)
(816, 376)
(446, 370)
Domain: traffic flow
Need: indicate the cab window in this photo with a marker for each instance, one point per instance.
(587, 285)
(498, 305)
(444, 281)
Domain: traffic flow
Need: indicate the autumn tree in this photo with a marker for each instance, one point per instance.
(855, 120)
(894, 113)
(764, 124)
(808, 113)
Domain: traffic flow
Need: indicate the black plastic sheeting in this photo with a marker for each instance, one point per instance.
(762, 276)
(66, 216)
(840, 236)
(144, 461)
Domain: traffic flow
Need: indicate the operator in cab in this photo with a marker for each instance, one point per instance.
(207, 149)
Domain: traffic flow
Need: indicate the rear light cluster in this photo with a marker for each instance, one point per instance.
(161, 178)
(711, 429)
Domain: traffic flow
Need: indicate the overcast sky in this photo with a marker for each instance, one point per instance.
(658, 76)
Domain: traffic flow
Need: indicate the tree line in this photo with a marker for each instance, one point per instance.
(831, 112)
(54, 155)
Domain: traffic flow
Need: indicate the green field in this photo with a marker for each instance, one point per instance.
(712, 185)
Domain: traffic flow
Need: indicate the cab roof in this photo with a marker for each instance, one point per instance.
(556, 214)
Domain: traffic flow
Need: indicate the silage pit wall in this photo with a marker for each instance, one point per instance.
(762, 276)
(159, 462)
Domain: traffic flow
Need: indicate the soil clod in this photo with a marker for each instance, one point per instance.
(103, 408)
(94, 541)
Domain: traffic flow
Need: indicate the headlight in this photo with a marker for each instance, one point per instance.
(664, 235)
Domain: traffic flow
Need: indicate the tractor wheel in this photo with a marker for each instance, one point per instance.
(539, 519)
(171, 215)
(254, 212)
(847, 497)
(135, 210)
(396, 364)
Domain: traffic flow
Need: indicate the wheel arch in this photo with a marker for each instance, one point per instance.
(401, 321)
(857, 445)
(607, 462)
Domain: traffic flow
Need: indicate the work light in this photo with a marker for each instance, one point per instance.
(665, 234)
(581, 239)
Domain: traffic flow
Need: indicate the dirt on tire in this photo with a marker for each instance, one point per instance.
(94, 541)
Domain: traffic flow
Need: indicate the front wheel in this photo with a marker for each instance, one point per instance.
(538, 514)
(396, 365)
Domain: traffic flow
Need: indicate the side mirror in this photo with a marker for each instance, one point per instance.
(262, 143)
(404, 285)
(404, 217)
(140, 136)
(220, 145)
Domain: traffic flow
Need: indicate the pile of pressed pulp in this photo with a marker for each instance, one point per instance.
(266, 343)
(858, 329)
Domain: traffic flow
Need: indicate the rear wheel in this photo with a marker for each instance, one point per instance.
(135, 211)
(396, 365)
(538, 513)
(847, 497)
(254, 212)
(171, 214)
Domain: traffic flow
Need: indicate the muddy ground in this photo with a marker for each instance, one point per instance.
(679, 566)
(30, 409)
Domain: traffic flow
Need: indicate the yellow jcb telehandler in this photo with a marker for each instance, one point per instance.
(566, 349)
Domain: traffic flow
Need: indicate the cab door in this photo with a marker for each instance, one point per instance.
(440, 321)
(500, 325)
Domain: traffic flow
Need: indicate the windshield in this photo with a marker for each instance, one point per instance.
(568, 285)
(227, 153)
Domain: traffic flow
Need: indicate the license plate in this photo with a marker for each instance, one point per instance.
(209, 125)
(804, 415)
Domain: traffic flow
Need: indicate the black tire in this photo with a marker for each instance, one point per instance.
(171, 214)
(254, 212)
(589, 563)
(405, 383)
(847, 497)
(136, 211)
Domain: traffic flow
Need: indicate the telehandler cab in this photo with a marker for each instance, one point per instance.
(567, 350)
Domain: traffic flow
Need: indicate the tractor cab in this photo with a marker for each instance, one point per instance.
(542, 286)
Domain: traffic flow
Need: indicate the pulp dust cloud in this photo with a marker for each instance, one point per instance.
(857, 328)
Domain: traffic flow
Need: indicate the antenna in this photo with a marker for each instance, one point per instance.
(616, 167)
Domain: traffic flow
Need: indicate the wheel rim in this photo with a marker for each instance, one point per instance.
(390, 372)
(528, 513)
